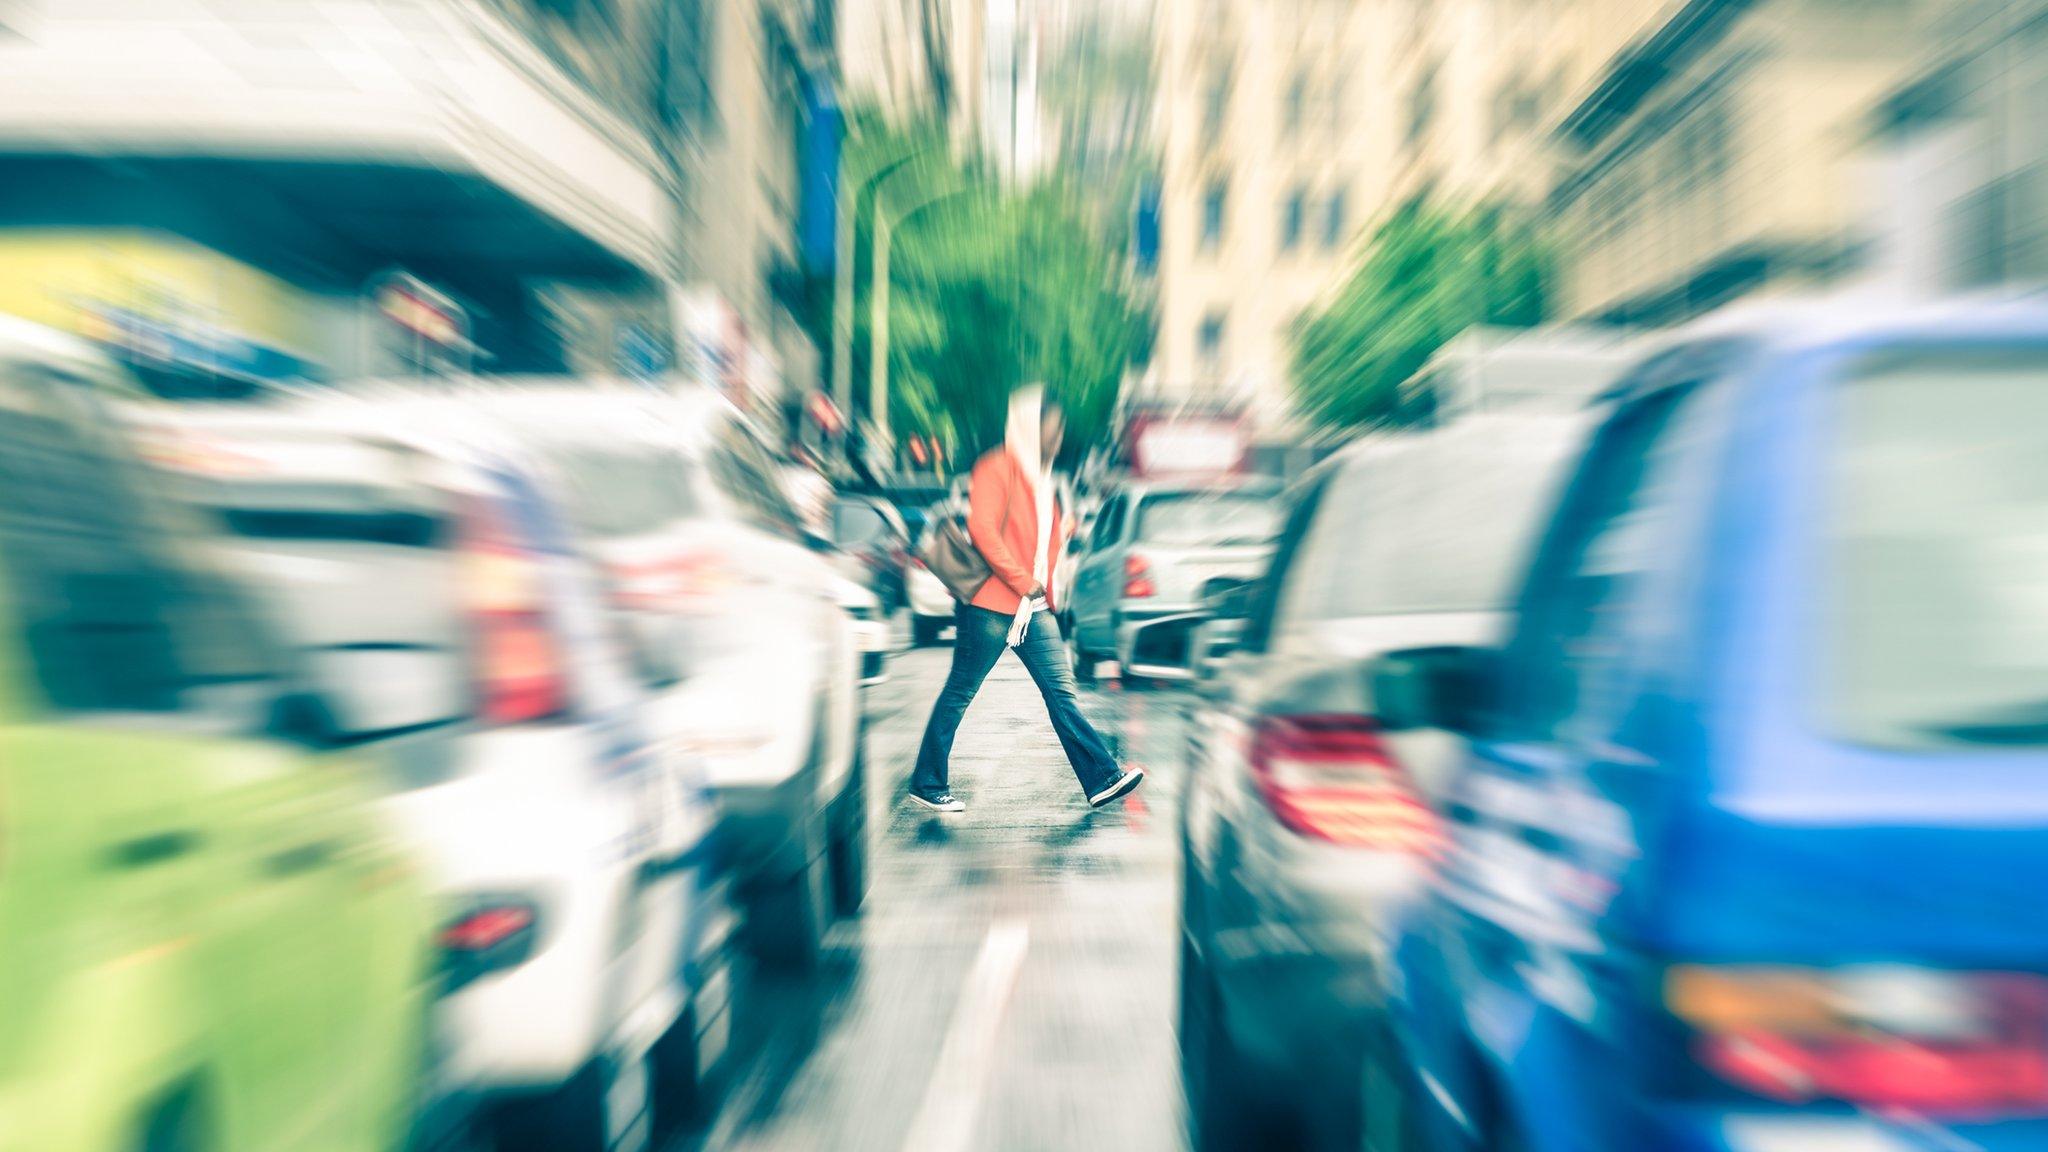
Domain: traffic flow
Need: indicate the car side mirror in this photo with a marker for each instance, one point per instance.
(1448, 687)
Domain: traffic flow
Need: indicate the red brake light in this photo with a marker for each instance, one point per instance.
(518, 663)
(1884, 1037)
(691, 582)
(1330, 777)
(1138, 577)
(486, 928)
(488, 937)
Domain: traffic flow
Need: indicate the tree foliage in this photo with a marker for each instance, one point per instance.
(991, 286)
(1425, 275)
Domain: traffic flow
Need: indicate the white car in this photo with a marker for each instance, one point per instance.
(931, 606)
(870, 628)
(429, 576)
(739, 610)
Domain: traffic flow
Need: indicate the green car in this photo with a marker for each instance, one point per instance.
(206, 941)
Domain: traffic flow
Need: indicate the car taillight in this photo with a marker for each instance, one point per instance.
(1332, 778)
(488, 936)
(1138, 578)
(691, 582)
(519, 670)
(1882, 1036)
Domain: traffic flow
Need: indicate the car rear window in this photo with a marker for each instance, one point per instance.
(1935, 596)
(403, 529)
(1432, 527)
(1207, 519)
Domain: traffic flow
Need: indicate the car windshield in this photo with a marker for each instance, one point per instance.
(1935, 601)
(1207, 519)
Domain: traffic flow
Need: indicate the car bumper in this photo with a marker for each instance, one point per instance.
(1129, 614)
(1135, 663)
(1713, 1129)
(532, 1026)
(1309, 963)
(524, 821)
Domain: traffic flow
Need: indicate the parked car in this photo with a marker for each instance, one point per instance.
(1151, 549)
(931, 606)
(771, 704)
(768, 700)
(1302, 819)
(1744, 834)
(871, 638)
(869, 529)
(440, 573)
(206, 939)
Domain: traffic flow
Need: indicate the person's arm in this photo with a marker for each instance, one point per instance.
(987, 496)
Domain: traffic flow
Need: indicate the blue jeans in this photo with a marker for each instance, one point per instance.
(978, 644)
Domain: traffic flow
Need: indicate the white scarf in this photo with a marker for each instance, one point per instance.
(1021, 436)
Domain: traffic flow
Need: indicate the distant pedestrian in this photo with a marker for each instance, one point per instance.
(1016, 522)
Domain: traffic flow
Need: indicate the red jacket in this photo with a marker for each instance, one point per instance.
(1002, 517)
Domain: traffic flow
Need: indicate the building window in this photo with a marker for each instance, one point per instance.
(1209, 343)
(1291, 214)
(1214, 201)
(1335, 222)
(1290, 116)
(1422, 105)
(1216, 105)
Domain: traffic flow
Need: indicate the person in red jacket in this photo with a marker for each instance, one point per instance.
(1017, 525)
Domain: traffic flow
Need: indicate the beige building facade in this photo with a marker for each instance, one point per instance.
(1724, 149)
(1272, 152)
(1289, 129)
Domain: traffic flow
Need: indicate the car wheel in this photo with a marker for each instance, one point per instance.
(787, 915)
(1220, 1115)
(683, 1069)
(848, 851)
(606, 1107)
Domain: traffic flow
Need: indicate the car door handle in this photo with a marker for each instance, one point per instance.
(154, 848)
(301, 857)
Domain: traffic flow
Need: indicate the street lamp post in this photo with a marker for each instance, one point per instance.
(878, 329)
(842, 289)
(878, 306)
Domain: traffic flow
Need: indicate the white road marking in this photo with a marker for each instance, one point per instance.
(952, 1100)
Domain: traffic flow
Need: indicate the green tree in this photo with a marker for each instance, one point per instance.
(1425, 275)
(991, 287)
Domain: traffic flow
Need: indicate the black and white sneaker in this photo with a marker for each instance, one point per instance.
(943, 802)
(1118, 788)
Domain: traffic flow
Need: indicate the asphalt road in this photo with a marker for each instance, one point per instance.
(1010, 984)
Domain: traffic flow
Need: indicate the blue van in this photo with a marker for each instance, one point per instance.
(1750, 850)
